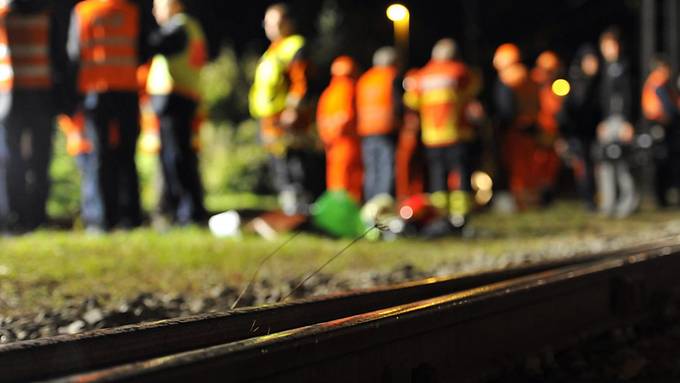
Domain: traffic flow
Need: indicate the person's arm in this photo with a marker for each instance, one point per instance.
(73, 40)
(298, 72)
(504, 101)
(168, 40)
(670, 109)
(626, 89)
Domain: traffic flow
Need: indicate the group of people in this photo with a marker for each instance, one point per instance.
(388, 133)
(391, 133)
(113, 61)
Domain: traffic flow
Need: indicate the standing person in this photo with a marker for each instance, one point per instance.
(546, 162)
(173, 84)
(409, 166)
(444, 88)
(277, 99)
(79, 147)
(106, 44)
(615, 133)
(377, 113)
(336, 121)
(516, 107)
(660, 103)
(27, 113)
(578, 120)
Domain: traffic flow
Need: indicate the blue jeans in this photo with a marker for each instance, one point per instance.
(378, 156)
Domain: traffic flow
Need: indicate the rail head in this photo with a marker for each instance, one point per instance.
(350, 334)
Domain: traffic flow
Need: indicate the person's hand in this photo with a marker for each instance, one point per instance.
(289, 117)
(602, 130)
(627, 132)
(561, 146)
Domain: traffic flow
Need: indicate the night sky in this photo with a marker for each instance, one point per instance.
(479, 25)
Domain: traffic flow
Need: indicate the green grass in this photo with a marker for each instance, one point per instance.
(47, 269)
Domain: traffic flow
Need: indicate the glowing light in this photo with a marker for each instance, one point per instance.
(481, 181)
(406, 212)
(397, 13)
(561, 87)
(483, 197)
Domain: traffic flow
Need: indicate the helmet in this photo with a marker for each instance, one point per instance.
(506, 55)
(343, 66)
(548, 61)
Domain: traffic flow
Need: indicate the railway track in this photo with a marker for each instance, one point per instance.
(426, 331)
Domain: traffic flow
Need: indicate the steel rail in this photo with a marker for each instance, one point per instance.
(445, 338)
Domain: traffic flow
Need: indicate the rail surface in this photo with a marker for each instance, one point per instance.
(420, 331)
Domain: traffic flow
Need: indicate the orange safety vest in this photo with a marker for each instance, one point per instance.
(443, 91)
(337, 128)
(24, 50)
(652, 108)
(335, 115)
(375, 101)
(109, 31)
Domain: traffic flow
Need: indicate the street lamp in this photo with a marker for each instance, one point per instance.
(401, 17)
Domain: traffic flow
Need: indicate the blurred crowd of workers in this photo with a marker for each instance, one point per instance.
(404, 140)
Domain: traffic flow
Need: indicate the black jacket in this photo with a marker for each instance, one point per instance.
(580, 112)
(616, 94)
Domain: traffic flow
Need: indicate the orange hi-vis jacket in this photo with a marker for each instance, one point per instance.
(652, 107)
(336, 121)
(444, 88)
(336, 115)
(375, 102)
(24, 50)
(108, 38)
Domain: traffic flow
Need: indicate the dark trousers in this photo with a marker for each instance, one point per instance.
(182, 195)
(112, 124)
(667, 163)
(289, 171)
(445, 162)
(26, 133)
(378, 155)
(583, 167)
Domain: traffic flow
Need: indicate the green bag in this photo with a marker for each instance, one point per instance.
(337, 214)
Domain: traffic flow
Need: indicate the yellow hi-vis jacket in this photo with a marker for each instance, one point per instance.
(180, 73)
(269, 93)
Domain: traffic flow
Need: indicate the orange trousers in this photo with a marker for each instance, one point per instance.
(408, 167)
(519, 149)
(344, 169)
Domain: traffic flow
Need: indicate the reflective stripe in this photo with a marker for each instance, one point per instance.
(437, 82)
(27, 22)
(32, 71)
(26, 50)
(6, 72)
(110, 41)
(113, 20)
(110, 61)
